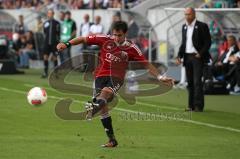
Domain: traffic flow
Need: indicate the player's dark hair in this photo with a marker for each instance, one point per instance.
(120, 25)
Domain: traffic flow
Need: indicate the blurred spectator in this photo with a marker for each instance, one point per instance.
(117, 4)
(64, 4)
(85, 28)
(1, 5)
(3, 47)
(97, 27)
(18, 4)
(61, 5)
(221, 4)
(27, 50)
(207, 4)
(49, 4)
(233, 75)
(239, 42)
(133, 28)
(22, 45)
(215, 33)
(77, 4)
(16, 43)
(116, 17)
(39, 25)
(61, 17)
(98, 4)
(20, 27)
(105, 4)
(143, 44)
(68, 32)
(131, 3)
(223, 47)
(223, 65)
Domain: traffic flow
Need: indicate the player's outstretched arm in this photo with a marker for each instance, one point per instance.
(166, 80)
(79, 40)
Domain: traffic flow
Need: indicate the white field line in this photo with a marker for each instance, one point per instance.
(132, 111)
(183, 120)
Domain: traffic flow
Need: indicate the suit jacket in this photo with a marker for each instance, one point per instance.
(201, 39)
(133, 30)
(234, 51)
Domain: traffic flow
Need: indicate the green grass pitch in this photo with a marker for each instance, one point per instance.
(28, 132)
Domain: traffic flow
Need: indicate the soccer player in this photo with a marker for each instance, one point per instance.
(115, 53)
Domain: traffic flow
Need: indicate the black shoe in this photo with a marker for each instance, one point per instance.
(189, 109)
(44, 75)
(198, 110)
(110, 144)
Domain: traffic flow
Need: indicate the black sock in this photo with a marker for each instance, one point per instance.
(55, 63)
(101, 103)
(46, 67)
(107, 124)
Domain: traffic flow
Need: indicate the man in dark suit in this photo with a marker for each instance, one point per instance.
(196, 41)
(51, 29)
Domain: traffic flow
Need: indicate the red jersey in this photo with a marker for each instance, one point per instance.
(114, 58)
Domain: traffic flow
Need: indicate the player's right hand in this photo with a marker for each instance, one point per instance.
(61, 46)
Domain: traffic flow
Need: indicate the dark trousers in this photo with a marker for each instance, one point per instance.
(65, 54)
(194, 72)
(233, 75)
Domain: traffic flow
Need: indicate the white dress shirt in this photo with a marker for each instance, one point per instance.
(189, 43)
(85, 29)
(228, 54)
(96, 29)
(237, 54)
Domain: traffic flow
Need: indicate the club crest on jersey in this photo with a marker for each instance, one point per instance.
(109, 46)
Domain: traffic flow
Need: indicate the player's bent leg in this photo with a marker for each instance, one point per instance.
(100, 101)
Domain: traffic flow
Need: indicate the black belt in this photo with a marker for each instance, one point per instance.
(191, 53)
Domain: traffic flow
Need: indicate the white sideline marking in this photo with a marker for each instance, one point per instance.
(132, 111)
(184, 120)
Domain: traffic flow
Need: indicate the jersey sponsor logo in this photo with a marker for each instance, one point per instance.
(112, 58)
